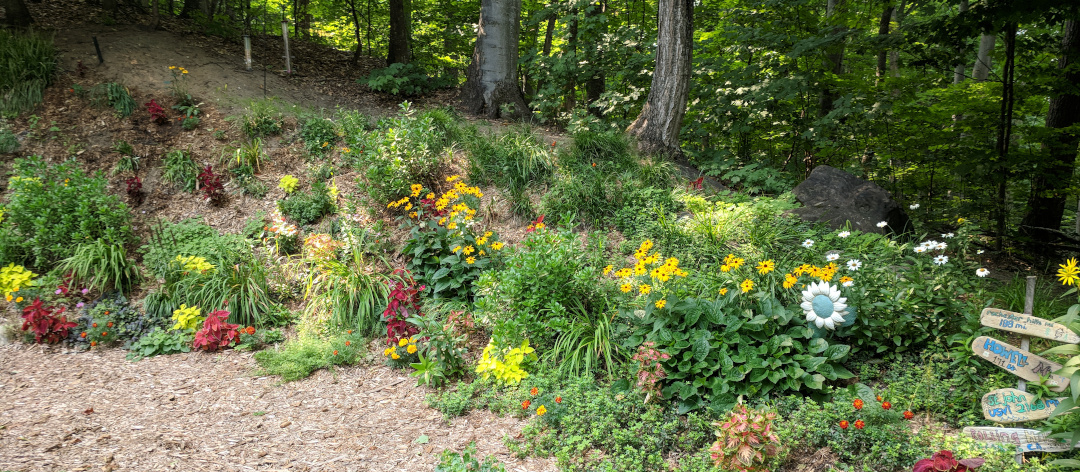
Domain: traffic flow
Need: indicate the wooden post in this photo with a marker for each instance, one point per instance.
(1025, 341)
(285, 37)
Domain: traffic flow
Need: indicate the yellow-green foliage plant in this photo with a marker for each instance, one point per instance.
(194, 264)
(187, 318)
(288, 183)
(509, 369)
(14, 277)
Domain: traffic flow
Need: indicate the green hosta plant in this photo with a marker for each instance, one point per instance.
(745, 440)
(161, 341)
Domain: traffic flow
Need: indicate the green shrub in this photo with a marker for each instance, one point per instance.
(346, 294)
(129, 323)
(250, 155)
(450, 461)
(113, 95)
(244, 176)
(515, 159)
(9, 143)
(102, 266)
(262, 120)
(298, 358)
(404, 150)
(308, 207)
(52, 208)
(319, 135)
(161, 341)
(190, 237)
(30, 62)
(403, 79)
(181, 169)
(190, 123)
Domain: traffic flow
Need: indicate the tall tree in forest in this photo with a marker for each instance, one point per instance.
(657, 126)
(189, 8)
(981, 71)
(594, 85)
(833, 60)
(1051, 180)
(400, 32)
(16, 14)
(491, 85)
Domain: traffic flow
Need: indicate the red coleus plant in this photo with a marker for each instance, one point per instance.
(216, 333)
(211, 185)
(156, 112)
(943, 461)
(404, 302)
(536, 225)
(45, 323)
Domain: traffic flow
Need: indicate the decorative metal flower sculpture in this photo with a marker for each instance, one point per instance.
(823, 305)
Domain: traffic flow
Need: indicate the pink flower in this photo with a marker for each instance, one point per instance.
(58, 291)
(79, 305)
(85, 291)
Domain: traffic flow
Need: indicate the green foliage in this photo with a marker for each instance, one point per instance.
(181, 169)
(160, 342)
(405, 149)
(513, 159)
(113, 95)
(190, 123)
(9, 143)
(53, 207)
(129, 324)
(403, 79)
(250, 155)
(244, 176)
(319, 136)
(102, 266)
(308, 207)
(442, 351)
(190, 237)
(450, 461)
(262, 120)
(346, 295)
(29, 62)
(297, 358)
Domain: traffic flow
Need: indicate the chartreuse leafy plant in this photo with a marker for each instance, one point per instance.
(297, 358)
(507, 365)
(447, 250)
(187, 318)
(51, 208)
(13, 278)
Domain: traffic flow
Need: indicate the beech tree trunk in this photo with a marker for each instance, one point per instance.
(958, 71)
(981, 71)
(1051, 180)
(491, 86)
(883, 34)
(657, 127)
(356, 30)
(16, 14)
(399, 33)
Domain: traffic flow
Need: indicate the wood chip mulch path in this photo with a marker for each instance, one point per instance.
(67, 411)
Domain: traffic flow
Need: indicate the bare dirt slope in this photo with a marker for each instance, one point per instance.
(207, 412)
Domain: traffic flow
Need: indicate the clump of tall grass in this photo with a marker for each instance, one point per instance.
(27, 65)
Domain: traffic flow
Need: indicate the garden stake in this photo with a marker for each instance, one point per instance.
(1025, 341)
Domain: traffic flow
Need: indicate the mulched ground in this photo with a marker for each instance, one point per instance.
(62, 410)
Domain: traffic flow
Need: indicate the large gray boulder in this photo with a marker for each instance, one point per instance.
(835, 197)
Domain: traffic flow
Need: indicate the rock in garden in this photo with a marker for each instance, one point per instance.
(835, 197)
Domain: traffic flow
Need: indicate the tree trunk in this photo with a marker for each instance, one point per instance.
(983, 63)
(958, 71)
(189, 8)
(833, 60)
(16, 14)
(1051, 180)
(356, 30)
(883, 34)
(1005, 131)
(548, 34)
(109, 6)
(657, 127)
(894, 54)
(491, 85)
(399, 33)
(570, 87)
(594, 85)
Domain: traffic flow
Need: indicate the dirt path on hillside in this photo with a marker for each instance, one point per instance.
(206, 412)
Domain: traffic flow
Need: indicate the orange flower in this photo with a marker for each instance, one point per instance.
(109, 324)
(335, 352)
(843, 424)
(347, 343)
(350, 331)
(525, 405)
(558, 399)
(93, 325)
(104, 333)
(886, 405)
(250, 330)
(106, 313)
(83, 334)
(858, 403)
(908, 415)
(879, 398)
(859, 424)
(93, 343)
(534, 391)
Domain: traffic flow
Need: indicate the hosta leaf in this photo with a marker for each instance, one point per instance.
(818, 346)
(701, 345)
(812, 363)
(837, 351)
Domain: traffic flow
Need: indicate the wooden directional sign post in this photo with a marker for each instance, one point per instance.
(1027, 325)
(1014, 405)
(1009, 405)
(1024, 364)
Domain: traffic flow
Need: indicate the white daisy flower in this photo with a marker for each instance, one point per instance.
(854, 264)
(941, 246)
(947, 235)
(882, 224)
(980, 251)
(941, 259)
(832, 256)
(920, 249)
(844, 234)
(848, 283)
(823, 305)
(808, 243)
(982, 272)
(914, 206)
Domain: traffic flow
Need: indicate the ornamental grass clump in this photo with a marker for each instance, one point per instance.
(745, 440)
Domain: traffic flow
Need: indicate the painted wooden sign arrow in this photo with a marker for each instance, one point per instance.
(1027, 324)
(1024, 364)
(1026, 440)
(1009, 405)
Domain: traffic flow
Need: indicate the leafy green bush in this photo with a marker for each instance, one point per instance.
(403, 79)
(244, 176)
(405, 149)
(161, 341)
(262, 120)
(514, 159)
(102, 266)
(308, 207)
(450, 461)
(346, 295)
(319, 135)
(52, 208)
(129, 324)
(190, 237)
(30, 61)
(113, 95)
(298, 358)
(9, 143)
(250, 155)
(181, 169)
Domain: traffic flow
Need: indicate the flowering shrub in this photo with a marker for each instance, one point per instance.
(505, 364)
(216, 333)
(286, 236)
(448, 251)
(402, 353)
(102, 329)
(254, 339)
(47, 322)
(187, 318)
(14, 277)
(404, 302)
(212, 187)
(943, 461)
(650, 370)
(157, 113)
(745, 439)
(547, 406)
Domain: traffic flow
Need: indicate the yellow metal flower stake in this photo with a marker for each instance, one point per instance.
(1015, 405)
